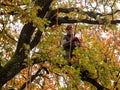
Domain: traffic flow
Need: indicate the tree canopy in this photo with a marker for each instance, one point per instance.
(31, 55)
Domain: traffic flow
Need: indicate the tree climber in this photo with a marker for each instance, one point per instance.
(69, 42)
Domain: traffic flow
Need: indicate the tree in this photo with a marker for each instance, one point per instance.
(96, 64)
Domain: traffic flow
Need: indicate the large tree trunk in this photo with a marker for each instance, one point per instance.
(15, 65)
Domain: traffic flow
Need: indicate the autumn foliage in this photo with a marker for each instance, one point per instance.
(31, 55)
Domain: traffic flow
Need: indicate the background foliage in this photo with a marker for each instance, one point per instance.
(96, 64)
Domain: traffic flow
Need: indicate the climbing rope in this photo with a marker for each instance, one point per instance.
(74, 33)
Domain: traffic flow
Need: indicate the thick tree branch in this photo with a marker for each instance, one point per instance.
(100, 22)
(25, 35)
(89, 13)
(85, 77)
(51, 15)
(34, 76)
(43, 3)
(36, 39)
(67, 20)
(15, 65)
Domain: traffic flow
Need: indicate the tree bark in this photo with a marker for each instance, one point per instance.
(16, 64)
